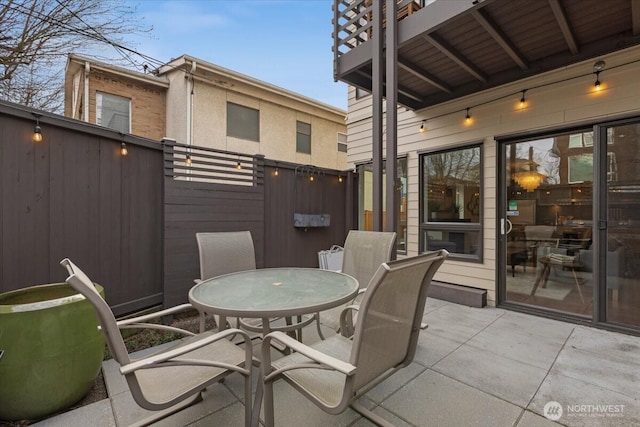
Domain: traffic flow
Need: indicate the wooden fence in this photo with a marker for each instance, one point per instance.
(261, 198)
(130, 221)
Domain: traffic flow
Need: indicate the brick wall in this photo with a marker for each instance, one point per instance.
(148, 103)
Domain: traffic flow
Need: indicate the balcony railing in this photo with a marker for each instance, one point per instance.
(352, 23)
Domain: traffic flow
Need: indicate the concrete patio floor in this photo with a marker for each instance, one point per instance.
(485, 367)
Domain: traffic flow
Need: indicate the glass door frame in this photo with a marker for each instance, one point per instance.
(501, 225)
(600, 226)
(601, 231)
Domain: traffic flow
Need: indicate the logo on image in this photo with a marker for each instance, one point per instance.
(552, 410)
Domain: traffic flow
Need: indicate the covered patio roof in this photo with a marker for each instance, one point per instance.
(450, 49)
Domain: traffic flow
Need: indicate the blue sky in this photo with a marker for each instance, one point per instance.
(283, 42)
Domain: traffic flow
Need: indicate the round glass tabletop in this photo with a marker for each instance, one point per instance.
(271, 292)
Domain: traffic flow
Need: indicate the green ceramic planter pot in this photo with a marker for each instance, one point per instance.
(51, 349)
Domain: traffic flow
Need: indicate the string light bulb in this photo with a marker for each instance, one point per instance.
(523, 101)
(123, 149)
(339, 178)
(276, 173)
(311, 177)
(467, 118)
(238, 165)
(597, 67)
(423, 128)
(37, 130)
(188, 159)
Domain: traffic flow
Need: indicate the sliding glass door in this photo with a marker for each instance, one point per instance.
(621, 228)
(569, 223)
(547, 222)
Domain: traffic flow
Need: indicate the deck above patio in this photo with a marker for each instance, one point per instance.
(449, 49)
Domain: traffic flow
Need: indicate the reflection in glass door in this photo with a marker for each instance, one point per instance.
(365, 199)
(548, 224)
(621, 242)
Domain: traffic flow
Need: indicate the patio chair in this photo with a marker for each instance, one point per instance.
(229, 252)
(335, 372)
(223, 253)
(364, 251)
(172, 379)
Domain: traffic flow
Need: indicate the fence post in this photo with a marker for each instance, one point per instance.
(168, 152)
(258, 166)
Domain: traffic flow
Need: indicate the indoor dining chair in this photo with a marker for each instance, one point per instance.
(364, 251)
(169, 380)
(336, 372)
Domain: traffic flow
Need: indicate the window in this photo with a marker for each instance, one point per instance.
(303, 137)
(365, 202)
(451, 195)
(342, 142)
(612, 166)
(583, 139)
(113, 111)
(243, 122)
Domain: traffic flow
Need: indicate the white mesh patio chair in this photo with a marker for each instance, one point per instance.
(364, 251)
(172, 379)
(229, 252)
(335, 372)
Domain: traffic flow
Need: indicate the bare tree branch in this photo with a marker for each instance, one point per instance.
(36, 37)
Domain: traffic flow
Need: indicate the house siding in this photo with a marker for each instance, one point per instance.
(550, 106)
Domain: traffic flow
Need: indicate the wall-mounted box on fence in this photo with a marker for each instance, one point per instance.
(311, 220)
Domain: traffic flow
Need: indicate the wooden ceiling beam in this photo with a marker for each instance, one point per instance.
(407, 93)
(483, 19)
(455, 56)
(423, 75)
(561, 18)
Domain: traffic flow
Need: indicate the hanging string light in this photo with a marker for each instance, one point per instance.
(37, 131)
(523, 101)
(597, 67)
(598, 86)
(597, 83)
(188, 159)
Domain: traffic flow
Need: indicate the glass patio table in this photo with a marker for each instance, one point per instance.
(273, 292)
